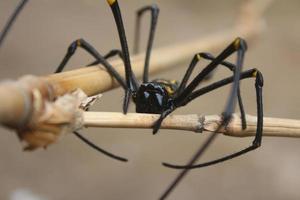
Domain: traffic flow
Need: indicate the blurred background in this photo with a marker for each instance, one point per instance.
(71, 170)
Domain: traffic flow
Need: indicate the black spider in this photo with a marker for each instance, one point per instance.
(164, 96)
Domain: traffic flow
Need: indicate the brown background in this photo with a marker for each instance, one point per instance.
(71, 170)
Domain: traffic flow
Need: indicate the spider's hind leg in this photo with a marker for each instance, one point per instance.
(258, 136)
(231, 67)
(238, 45)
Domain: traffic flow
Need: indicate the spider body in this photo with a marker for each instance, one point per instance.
(155, 97)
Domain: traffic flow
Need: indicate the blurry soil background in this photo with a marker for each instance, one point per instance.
(71, 170)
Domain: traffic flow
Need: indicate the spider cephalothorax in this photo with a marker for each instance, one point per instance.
(155, 96)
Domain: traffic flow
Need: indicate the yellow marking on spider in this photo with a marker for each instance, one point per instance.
(237, 43)
(169, 90)
(173, 81)
(78, 43)
(254, 73)
(198, 56)
(111, 2)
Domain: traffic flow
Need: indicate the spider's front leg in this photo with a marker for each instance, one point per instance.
(131, 82)
(99, 59)
(111, 53)
(92, 51)
(162, 116)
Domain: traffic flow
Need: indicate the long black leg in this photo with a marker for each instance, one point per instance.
(131, 82)
(11, 20)
(86, 46)
(154, 17)
(231, 67)
(111, 53)
(98, 148)
(91, 50)
(184, 172)
(238, 45)
(258, 137)
(197, 57)
(188, 73)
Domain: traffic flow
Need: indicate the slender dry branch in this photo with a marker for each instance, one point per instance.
(197, 123)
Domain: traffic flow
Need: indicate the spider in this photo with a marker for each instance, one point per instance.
(163, 96)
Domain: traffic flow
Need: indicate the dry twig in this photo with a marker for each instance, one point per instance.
(197, 123)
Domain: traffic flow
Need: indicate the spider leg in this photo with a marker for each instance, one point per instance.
(162, 116)
(111, 53)
(231, 67)
(11, 20)
(183, 173)
(238, 45)
(114, 52)
(98, 148)
(91, 50)
(132, 84)
(228, 65)
(258, 137)
(197, 57)
(154, 10)
(86, 46)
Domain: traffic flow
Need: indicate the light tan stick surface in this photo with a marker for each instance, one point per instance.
(197, 123)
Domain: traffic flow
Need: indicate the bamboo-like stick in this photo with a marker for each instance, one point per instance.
(197, 123)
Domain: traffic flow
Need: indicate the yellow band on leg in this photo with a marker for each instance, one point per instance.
(111, 2)
(254, 73)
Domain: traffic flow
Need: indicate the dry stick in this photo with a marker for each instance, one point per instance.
(197, 123)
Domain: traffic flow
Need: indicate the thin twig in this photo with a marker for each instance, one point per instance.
(275, 127)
